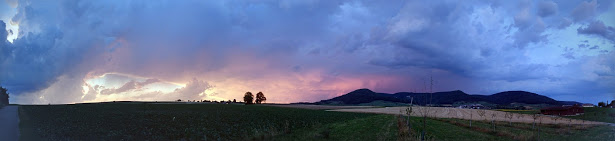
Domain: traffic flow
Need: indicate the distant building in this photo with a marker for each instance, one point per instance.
(563, 111)
(473, 106)
(588, 105)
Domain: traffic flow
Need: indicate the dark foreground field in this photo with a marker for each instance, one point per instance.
(140, 121)
(171, 121)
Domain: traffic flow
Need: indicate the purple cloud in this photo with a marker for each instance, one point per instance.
(598, 28)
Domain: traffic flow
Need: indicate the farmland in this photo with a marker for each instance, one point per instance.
(441, 112)
(142, 121)
(597, 114)
(169, 121)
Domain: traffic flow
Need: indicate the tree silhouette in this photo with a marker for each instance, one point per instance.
(260, 98)
(4, 96)
(248, 98)
(601, 104)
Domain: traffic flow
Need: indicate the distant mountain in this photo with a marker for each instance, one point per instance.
(503, 98)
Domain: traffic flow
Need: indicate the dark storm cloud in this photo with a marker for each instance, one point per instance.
(320, 48)
(585, 10)
(547, 8)
(5, 49)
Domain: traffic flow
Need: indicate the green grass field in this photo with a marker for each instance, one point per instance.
(117, 121)
(169, 121)
(591, 113)
(597, 114)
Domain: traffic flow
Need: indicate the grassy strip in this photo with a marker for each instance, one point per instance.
(523, 131)
(440, 130)
(380, 127)
(597, 114)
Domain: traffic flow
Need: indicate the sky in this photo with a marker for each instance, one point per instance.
(72, 51)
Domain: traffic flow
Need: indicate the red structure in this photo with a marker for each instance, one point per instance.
(563, 111)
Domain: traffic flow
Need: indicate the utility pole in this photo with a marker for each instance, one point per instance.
(430, 89)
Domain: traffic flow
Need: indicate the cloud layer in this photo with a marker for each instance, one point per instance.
(304, 50)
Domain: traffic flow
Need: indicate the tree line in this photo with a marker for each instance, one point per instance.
(602, 104)
(4, 97)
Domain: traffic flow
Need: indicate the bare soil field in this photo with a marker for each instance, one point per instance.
(319, 107)
(473, 114)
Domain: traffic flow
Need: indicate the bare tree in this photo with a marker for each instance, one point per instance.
(409, 113)
(424, 111)
(535, 116)
(555, 118)
(510, 117)
(540, 122)
(471, 114)
(481, 113)
(493, 115)
(519, 116)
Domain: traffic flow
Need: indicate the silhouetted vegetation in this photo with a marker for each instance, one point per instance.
(601, 104)
(248, 98)
(260, 98)
(4, 97)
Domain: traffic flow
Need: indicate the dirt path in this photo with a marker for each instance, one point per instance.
(9, 123)
(442, 112)
(318, 107)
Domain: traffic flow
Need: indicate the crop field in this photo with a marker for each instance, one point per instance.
(473, 114)
(169, 121)
(318, 107)
(597, 114)
(520, 111)
(141, 121)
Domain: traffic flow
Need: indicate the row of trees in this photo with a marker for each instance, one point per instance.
(602, 104)
(248, 98)
(4, 96)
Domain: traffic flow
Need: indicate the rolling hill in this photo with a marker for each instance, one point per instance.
(503, 98)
